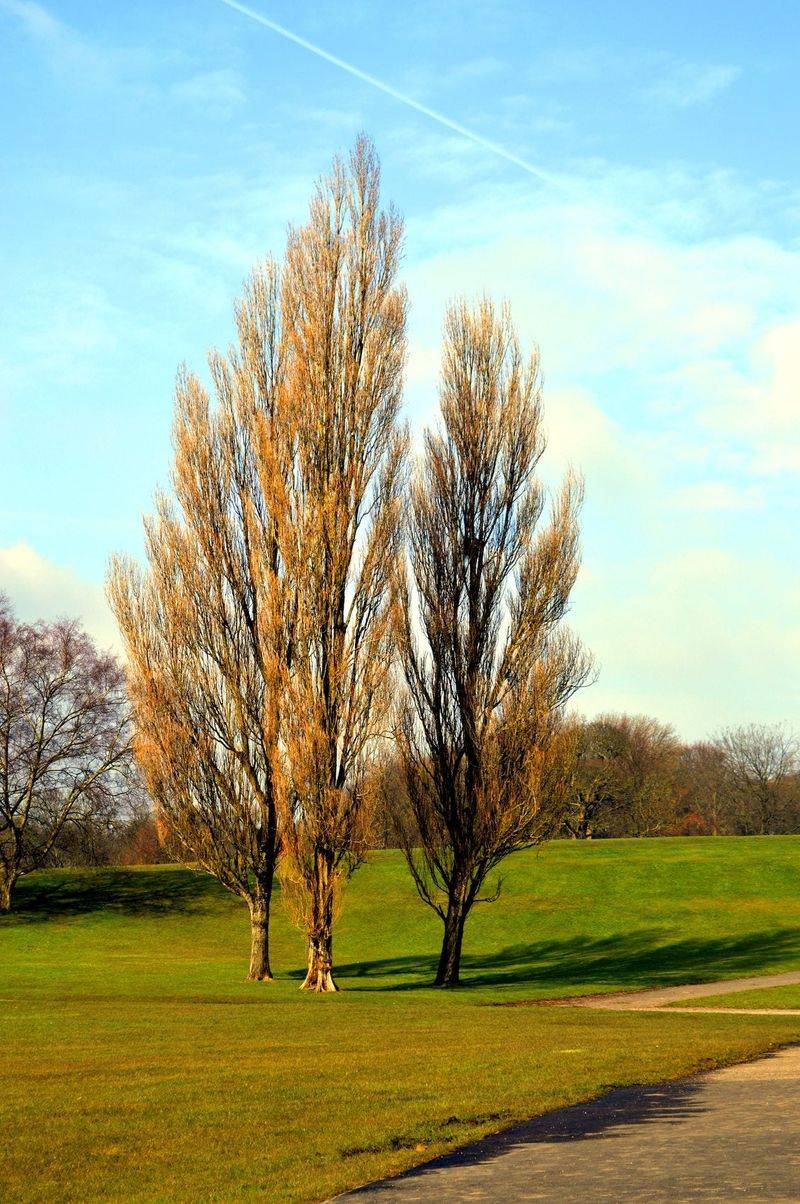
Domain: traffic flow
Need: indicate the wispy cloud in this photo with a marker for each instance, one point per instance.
(653, 75)
(57, 333)
(38, 22)
(691, 84)
(213, 89)
(719, 496)
(62, 44)
(427, 77)
(679, 637)
(672, 378)
(136, 71)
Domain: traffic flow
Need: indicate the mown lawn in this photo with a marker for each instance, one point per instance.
(138, 1064)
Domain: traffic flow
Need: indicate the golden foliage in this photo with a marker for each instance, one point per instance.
(261, 640)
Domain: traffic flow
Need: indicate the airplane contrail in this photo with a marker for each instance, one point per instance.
(366, 78)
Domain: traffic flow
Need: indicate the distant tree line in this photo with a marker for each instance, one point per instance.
(631, 776)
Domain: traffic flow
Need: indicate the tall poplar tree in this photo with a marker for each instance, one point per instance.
(344, 327)
(487, 664)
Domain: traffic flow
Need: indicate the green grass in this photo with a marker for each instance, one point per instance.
(138, 1064)
(760, 997)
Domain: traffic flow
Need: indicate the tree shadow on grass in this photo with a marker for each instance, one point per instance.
(670, 1103)
(650, 957)
(127, 892)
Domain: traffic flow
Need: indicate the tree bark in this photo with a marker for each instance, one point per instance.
(320, 930)
(259, 903)
(6, 887)
(448, 974)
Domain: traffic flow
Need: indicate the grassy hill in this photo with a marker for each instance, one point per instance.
(137, 1062)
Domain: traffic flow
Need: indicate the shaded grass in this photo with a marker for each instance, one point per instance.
(138, 1064)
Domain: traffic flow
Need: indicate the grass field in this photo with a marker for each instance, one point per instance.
(138, 1064)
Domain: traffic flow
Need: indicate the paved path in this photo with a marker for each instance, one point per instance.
(661, 997)
(728, 1135)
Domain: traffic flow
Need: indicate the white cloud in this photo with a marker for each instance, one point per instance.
(63, 46)
(40, 589)
(758, 400)
(523, 114)
(429, 80)
(477, 68)
(37, 21)
(88, 62)
(653, 75)
(581, 433)
(777, 409)
(703, 639)
(59, 333)
(665, 333)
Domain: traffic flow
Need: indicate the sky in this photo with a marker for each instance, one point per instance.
(627, 176)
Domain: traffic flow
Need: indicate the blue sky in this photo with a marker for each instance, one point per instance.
(150, 153)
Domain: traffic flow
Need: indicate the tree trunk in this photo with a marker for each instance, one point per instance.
(6, 887)
(320, 929)
(450, 960)
(320, 965)
(259, 903)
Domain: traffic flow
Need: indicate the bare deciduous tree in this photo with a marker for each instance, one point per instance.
(64, 740)
(259, 640)
(205, 646)
(763, 765)
(645, 772)
(344, 325)
(593, 797)
(626, 777)
(487, 664)
(703, 786)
